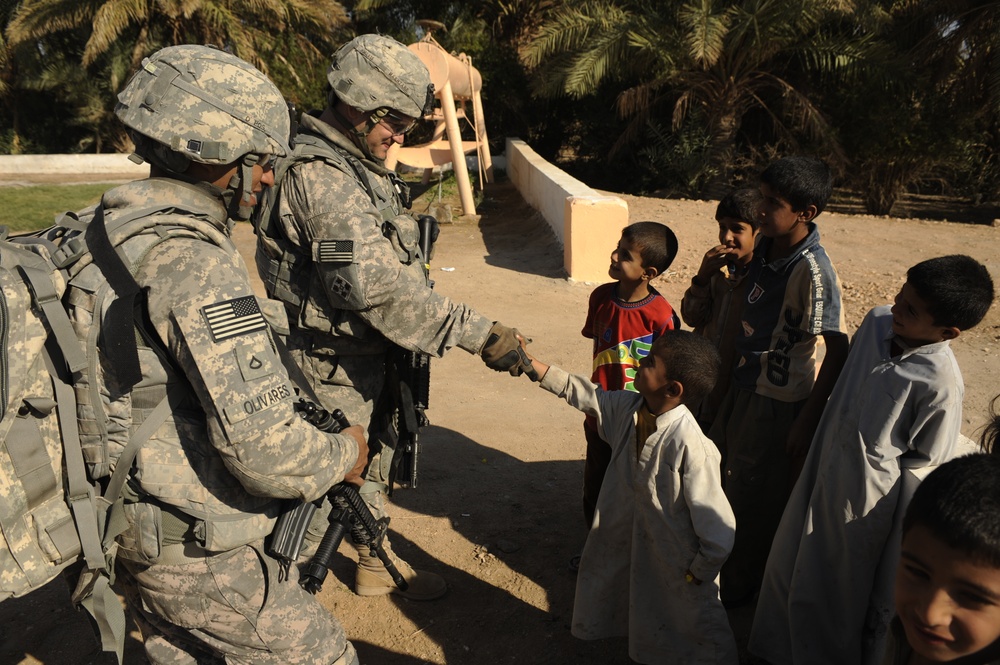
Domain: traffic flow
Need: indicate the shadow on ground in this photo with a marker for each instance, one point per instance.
(513, 513)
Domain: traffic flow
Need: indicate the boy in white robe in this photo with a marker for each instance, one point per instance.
(663, 526)
(894, 415)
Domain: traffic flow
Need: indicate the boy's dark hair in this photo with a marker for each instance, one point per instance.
(989, 442)
(742, 204)
(958, 289)
(801, 180)
(691, 360)
(657, 244)
(959, 503)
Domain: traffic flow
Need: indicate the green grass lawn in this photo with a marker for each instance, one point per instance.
(30, 208)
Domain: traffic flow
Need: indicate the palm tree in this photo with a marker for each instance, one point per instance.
(246, 27)
(959, 40)
(89, 47)
(714, 60)
(934, 107)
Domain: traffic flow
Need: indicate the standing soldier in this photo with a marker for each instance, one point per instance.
(339, 248)
(210, 480)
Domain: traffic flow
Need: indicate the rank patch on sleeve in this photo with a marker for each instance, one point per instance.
(231, 318)
(335, 251)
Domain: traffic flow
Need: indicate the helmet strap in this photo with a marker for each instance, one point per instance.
(241, 184)
(358, 137)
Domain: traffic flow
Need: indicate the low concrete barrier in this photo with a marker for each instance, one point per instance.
(72, 167)
(587, 223)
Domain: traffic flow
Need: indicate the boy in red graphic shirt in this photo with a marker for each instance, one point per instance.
(623, 319)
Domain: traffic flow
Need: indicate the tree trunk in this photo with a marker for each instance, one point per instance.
(720, 155)
(883, 181)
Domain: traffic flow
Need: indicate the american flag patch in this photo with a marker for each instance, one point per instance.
(231, 318)
(336, 251)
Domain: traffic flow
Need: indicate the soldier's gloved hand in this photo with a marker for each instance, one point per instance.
(502, 352)
(356, 475)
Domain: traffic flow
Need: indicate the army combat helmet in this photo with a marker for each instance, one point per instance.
(378, 75)
(195, 103)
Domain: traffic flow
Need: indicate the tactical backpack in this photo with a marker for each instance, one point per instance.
(50, 514)
(54, 462)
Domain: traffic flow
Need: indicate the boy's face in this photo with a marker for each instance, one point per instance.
(738, 236)
(651, 378)
(777, 218)
(911, 321)
(947, 602)
(626, 263)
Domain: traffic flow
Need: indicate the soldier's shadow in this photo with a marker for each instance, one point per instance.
(513, 527)
(514, 524)
(44, 627)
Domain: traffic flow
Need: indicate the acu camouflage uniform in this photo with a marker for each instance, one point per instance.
(337, 247)
(353, 282)
(210, 481)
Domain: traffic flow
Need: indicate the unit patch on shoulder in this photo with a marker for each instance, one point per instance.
(342, 287)
(335, 251)
(231, 318)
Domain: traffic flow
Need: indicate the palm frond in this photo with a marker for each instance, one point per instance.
(570, 30)
(704, 31)
(36, 18)
(110, 21)
(799, 114)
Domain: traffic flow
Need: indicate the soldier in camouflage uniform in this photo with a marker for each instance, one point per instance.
(341, 251)
(209, 482)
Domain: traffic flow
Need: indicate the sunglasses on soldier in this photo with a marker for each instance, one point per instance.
(399, 126)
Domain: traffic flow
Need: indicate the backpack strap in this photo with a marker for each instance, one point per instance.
(121, 317)
(94, 592)
(68, 350)
(120, 322)
(54, 313)
(81, 495)
(100, 519)
(102, 603)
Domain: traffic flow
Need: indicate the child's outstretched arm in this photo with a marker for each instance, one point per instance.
(616, 406)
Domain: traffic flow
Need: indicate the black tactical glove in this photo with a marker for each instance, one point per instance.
(502, 352)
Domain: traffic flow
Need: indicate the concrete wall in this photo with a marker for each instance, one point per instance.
(115, 166)
(587, 223)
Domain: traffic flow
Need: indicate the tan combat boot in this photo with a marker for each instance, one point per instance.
(374, 580)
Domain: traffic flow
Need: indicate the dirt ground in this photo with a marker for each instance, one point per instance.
(497, 511)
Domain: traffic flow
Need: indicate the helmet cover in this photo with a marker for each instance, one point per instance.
(372, 72)
(205, 104)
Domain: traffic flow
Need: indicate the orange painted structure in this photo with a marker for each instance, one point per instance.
(457, 85)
